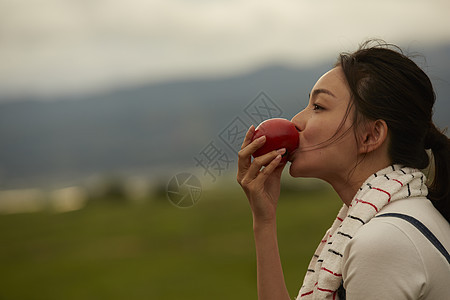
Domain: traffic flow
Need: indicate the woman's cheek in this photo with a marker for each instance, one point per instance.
(310, 137)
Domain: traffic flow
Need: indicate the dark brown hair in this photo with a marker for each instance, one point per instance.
(386, 84)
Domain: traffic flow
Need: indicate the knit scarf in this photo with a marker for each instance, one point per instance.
(324, 275)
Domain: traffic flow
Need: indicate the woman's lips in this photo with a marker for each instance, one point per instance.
(292, 154)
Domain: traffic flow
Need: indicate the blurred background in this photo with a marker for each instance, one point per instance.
(104, 105)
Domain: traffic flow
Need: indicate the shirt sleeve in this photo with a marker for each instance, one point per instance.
(382, 262)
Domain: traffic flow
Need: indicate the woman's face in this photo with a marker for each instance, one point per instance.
(317, 123)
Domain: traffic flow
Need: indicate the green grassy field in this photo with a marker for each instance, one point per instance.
(156, 250)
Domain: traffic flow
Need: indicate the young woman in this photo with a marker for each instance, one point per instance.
(368, 132)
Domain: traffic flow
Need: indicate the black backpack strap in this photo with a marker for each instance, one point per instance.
(423, 229)
(342, 294)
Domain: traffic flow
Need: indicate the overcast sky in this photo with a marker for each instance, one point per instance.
(61, 47)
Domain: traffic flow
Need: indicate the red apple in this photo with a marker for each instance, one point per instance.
(280, 133)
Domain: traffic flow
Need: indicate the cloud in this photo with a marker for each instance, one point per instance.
(55, 47)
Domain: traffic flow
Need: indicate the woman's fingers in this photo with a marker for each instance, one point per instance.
(248, 137)
(247, 149)
(248, 170)
(270, 167)
(247, 152)
(264, 160)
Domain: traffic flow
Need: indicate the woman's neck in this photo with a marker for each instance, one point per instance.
(348, 185)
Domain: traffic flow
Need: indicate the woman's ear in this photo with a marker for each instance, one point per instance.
(373, 137)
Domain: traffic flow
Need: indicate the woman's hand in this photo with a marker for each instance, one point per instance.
(262, 186)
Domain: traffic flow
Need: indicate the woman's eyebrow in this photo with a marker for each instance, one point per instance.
(321, 91)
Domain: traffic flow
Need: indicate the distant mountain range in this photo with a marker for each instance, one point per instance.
(155, 127)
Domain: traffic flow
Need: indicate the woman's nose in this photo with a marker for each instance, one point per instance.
(299, 121)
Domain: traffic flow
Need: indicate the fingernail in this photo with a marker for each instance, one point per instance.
(281, 151)
(261, 138)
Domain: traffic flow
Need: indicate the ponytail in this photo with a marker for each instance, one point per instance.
(439, 189)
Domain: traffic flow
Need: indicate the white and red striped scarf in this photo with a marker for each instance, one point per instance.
(324, 275)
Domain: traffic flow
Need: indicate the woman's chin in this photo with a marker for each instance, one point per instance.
(299, 169)
(292, 170)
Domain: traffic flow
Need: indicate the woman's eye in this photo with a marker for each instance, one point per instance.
(317, 107)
